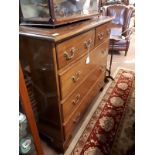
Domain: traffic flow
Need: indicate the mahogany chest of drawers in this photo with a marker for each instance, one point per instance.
(67, 66)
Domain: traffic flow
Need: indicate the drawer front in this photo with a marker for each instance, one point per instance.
(72, 49)
(102, 33)
(99, 56)
(73, 121)
(98, 59)
(73, 77)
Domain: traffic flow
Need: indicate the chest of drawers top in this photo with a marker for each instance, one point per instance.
(62, 33)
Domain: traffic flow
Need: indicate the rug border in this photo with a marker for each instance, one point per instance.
(123, 116)
(91, 112)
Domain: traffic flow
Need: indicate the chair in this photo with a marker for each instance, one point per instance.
(120, 26)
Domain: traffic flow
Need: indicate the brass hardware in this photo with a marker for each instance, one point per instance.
(87, 46)
(100, 36)
(101, 68)
(76, 77)
(88, 43)
(103, 51)
(77, 98)
(71, 55)
(77, 118)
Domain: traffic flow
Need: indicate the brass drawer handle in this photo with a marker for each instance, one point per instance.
(101, 68)
(76, 77)
(100, 36)
(88, 43)
(77, 99)
(71, 55)
(104, 52)
(77, 118)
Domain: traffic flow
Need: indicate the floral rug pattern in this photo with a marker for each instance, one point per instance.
(102, 131)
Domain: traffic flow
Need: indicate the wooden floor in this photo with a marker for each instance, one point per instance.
(119, 60)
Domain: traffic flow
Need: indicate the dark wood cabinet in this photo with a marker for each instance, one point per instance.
(67, 66)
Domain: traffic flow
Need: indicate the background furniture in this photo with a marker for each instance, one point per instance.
(68, 67)
(26, 105)
(111, 2)
(120, 26)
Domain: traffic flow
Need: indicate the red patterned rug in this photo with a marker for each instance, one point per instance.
(100, 134)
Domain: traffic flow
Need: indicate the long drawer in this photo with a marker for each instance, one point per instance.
(98, 82)
(73, 48)
(97, 59)
(74, 77)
